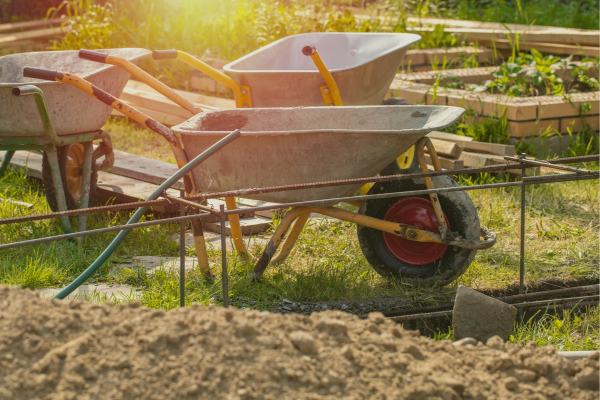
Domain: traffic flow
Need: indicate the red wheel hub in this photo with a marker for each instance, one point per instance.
(418, 212)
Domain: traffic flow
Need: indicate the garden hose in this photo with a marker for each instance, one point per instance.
(140, 211)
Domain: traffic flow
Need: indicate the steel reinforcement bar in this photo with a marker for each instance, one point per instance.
(246, 192)
(559, 303)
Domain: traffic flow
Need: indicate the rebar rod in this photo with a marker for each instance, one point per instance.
(506, 299)
(285, 206)
(224, 277)
(182, 252)
(545, 303)
(240, 193)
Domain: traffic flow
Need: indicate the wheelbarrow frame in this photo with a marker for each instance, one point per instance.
(49, 144)
(242, 94)
(299, 216)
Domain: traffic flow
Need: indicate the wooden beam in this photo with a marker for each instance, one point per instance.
(449, 136)
(200, 99)
(446, 148)
(17, 39)
(587, 38)
(545, 47)
(446, 163)
(28, 25)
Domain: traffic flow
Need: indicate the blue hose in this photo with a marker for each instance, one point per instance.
(140, 211)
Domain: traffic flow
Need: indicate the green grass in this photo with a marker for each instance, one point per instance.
(327, 263)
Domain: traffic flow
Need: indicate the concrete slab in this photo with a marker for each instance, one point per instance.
(153, 263)
(98, 293)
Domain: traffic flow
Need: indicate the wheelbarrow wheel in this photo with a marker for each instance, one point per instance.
(70, 158)
(415, 262)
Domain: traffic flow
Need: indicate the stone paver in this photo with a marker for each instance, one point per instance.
(480, 317)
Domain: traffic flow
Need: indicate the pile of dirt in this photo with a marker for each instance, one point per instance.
(51, 349)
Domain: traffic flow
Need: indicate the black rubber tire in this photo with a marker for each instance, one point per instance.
(394, 168)
(461, 214)
(72, 204)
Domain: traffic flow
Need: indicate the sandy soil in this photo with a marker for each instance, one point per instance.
(51, 349)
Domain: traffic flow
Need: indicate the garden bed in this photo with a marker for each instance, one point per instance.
(527, 116)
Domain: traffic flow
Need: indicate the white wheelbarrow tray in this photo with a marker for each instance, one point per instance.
(362, 64)
(71, 110)
(287, 146)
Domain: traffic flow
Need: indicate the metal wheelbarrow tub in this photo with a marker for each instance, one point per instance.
(286, 146)
(71, 110)
(362, 64)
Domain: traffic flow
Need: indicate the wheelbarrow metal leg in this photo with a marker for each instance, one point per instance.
(6, 161)
(267, 255)
(435, 201)
(236, 228)
(292, 237)
(224, 275)
(88, 150)
(59, 190)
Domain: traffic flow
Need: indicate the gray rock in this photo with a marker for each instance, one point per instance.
(288, 301)
(344, 306)
(480, 317)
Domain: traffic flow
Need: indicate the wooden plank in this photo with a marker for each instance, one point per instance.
(28, 25)
(144, 169)
(587, 38)
(458, 23)
(475, 160)
(446, 163)
(138, 98)
(162, 117)
(449, 136)
(200, 99)
(22, 38)
(446, 148)
(545, 47)
(489, 148)
(474, 146)
(110, 186)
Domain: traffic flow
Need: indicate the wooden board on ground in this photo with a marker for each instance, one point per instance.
(144, 169)
(446, 148)
(29, 25)
(544, 47)
(468, 144)
(111, 187)
(448, 136)
(147, 100)
(117, 189)
(16, 39)
(200, 99)
(475, 160)
(446, 163)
